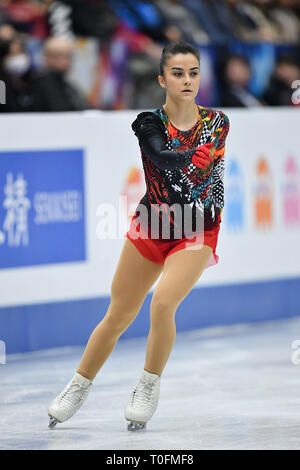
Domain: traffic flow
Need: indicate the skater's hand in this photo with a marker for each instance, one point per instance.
(203, 157)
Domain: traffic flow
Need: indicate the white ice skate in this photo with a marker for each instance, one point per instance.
(65, 405)
(143, 401)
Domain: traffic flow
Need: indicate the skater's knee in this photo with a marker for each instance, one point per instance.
(119, 317)
(125, 299)
(163, 306)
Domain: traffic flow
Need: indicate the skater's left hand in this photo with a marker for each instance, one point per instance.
(203, 158)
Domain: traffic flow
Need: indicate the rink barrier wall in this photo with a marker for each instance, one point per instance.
(59, 324)
(56, 274)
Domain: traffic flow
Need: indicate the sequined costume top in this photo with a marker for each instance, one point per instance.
(171, 177)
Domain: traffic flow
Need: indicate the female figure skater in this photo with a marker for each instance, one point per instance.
(182, 147)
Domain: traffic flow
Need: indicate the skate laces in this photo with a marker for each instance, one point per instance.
(142, 393)
(73, 393)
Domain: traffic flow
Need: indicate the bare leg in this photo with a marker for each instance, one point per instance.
(182, 269)
(133, 278)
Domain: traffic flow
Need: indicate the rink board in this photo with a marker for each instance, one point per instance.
(68, 323)
(55, 269)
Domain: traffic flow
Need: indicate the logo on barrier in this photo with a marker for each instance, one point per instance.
(41, 208)
(16, 206)
(2, 352)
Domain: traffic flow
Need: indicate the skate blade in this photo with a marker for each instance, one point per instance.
(135, 426)
(52, 423)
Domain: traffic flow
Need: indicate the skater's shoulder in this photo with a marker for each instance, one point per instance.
(212, 114)
(147, 120)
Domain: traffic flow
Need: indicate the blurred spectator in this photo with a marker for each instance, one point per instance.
(279, 90)
(7, 32)
(146, 91)
(52, 90)
(137, 73)
(242, 26)
(27, 16)
(287, 20)
(16, 73)
(214, 17)
(85, 18)
(183, 23)
(235, 79)
(142, 16)
(252, 20)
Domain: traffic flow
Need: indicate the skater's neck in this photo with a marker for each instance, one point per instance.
(183, 116)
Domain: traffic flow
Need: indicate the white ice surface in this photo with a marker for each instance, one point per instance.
(223, 388)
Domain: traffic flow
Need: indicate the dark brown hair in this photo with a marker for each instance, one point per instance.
(179, 47)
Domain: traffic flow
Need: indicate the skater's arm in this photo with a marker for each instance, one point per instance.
(150, 130)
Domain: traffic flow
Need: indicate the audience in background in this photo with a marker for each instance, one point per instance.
(52, 91)
(130, 35)
(215, 18)
(27, 16)
(280, 88)
(234, 83)
(83, 18)
(16, 73)
(7, 32)
(284, 14)
(177, 16)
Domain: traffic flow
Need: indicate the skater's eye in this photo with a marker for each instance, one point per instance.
(179, 74)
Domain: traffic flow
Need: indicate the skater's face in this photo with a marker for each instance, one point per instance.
(181, 73)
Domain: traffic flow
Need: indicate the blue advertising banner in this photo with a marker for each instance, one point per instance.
(42, 216)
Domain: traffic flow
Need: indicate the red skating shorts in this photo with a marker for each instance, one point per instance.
(158, 250)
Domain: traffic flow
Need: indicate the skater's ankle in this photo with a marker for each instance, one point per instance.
(151, 372)
(84, 374)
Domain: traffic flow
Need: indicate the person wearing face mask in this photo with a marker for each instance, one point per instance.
(18, 76)
(52, 90)
(17, 65)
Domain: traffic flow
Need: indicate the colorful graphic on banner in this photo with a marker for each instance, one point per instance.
(235, 201)
(263, 205)
(41, 207)
(291, 193)
(133, 189)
